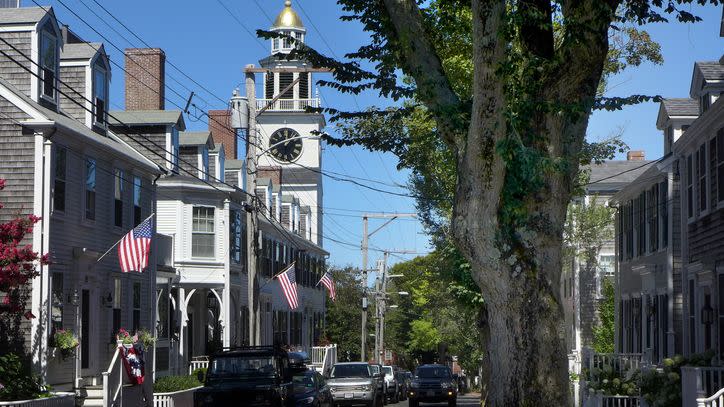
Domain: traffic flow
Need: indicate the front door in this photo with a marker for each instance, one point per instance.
(88, 334)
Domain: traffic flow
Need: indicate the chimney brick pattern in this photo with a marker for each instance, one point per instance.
(636, 155)
(220, 127)
(145, 79)
(273, 173)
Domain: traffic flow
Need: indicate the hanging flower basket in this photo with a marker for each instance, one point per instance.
(125, 338)
(65, 341)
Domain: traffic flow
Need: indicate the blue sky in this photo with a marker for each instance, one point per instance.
(212, 47)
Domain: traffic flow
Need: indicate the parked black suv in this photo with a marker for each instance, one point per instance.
(256, 376)
(433, 384)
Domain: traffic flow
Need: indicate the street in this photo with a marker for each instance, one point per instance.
(467, 400)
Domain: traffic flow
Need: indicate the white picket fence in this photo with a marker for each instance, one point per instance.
(58, 400)
(602, 400)
(198, 362)
(699, 382)
(183, 398)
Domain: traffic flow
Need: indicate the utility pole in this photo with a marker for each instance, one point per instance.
(383, 309)
(365, 249)
(252, 214)
(364, 291)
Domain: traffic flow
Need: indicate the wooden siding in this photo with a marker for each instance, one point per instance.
(11, 71)
(73, 78)
(189, 161)
(70, 230)
(706, 238)
(17, 163)
(142, 139)
(232, 177)
(675, 247)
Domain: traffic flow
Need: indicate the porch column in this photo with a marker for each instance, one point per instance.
(226, 310)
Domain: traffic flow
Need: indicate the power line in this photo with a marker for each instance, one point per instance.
(241, 24)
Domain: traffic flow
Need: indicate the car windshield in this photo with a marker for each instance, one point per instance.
(388, 370)
(303, 383)
(375, 368)
(342, 371)
(433, 373)
(235, 366)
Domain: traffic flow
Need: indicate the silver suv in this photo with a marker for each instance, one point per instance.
(352, 384)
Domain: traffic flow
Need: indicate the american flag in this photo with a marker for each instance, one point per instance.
(134, 247)
(289, 286)
(329, 283)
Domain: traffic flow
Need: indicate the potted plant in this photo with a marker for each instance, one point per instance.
(65, 341)
(146, 338)
(125, 338)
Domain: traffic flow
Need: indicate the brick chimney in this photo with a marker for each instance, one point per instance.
(220, 127)
(274, 173)
(636, 155)
(145, 79)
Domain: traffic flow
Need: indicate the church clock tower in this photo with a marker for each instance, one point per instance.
(286, 129)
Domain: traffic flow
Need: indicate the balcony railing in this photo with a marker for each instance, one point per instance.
(288, 105)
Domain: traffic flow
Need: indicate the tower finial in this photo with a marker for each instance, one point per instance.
(287, 3)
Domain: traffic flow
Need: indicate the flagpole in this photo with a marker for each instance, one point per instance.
(277, 275)
(119, 240)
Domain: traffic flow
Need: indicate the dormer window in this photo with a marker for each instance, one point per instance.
(100, 96)
(48, 64)
(205, 163)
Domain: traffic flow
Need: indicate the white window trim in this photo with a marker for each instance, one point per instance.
(41, 79)
(215, 233)
(103, 125)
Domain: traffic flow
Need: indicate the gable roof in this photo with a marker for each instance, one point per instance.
(676, 107)
(611, 176)
(234, 164)
(705, 72)
(111, 143)
(196, 138)
(81, 50)
(23, 15)
(147, 118)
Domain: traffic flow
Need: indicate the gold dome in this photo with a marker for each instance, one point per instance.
(288, 18)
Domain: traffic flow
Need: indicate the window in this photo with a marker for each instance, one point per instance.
(664, 212)
(701, 177)
(286, 41)
(202, 239)
(275, 44)
(100, 92)
(175, 145)
(90, 189)
(136, 306)
(56, 317)
(117, 305)
(641, 217)
(720, 164)
(137, 211)
(205, 163)
(118, 199)
(48, 64)
(235, 237)
(689, 187)
(59, 179)
(653, 218)
(692, 318)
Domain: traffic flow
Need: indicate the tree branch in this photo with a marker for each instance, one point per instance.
(418, 59)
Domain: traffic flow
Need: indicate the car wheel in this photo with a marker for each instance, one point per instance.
(397, 398)
(452, 403)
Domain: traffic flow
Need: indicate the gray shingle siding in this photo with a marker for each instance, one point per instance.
(156, 135)
(17, 163)
(675, 245)
(188, 161)
(11, 71)
(73, 78)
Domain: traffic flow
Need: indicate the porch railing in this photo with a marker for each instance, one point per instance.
(323, 357)
(699, 382)
(717, 400)
(621, 363)
(601, 400)
(288, 104)
(198, 362)
(113, 380)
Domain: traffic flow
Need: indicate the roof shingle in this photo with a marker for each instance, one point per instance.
(681, 107)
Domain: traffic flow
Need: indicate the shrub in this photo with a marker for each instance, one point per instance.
(195, 373)
(16, 382)
(170, 384)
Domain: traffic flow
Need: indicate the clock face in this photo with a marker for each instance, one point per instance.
(285, 145)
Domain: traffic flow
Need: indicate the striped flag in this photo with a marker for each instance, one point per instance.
(329, 283)
(288, 281)
(135, 246)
